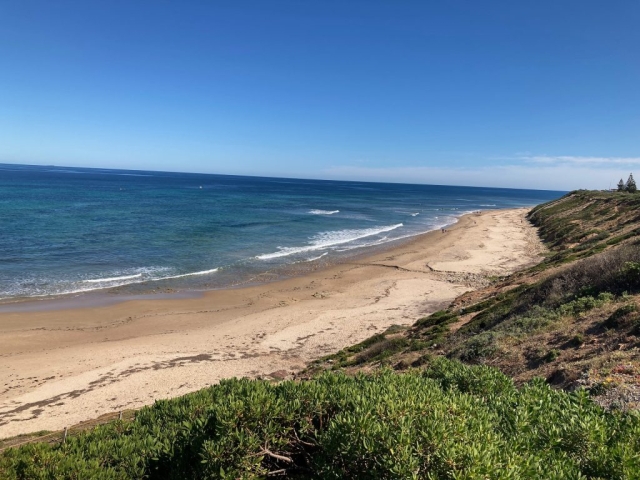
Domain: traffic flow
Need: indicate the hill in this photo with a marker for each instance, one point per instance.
(573, 319)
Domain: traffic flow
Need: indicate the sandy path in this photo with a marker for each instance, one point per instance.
(61, 367)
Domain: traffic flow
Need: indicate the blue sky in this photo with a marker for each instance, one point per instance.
(532, 94)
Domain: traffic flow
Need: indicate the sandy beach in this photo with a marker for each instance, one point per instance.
(62, 366)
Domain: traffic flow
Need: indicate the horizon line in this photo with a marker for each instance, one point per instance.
(277, 177)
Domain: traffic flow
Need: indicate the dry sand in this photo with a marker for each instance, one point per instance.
(61, 367)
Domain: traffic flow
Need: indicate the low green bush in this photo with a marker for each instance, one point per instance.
(584, 304)
(551, 356)
(449, 421)
(478, 347)
(615, 240)
(532, 320)
(578, 340)
(486, 344)
(624, 317)
(381, 350)
(433, 329)
(441, 317)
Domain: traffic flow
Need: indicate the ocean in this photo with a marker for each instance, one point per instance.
(68, 231)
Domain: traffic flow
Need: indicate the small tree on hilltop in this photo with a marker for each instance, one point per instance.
(631, 184)
(621, 186)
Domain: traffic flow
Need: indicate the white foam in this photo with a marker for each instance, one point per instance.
(113, 279)
(71, 290)
(365, 245)
(329, 239)
(415, 214)
(383, 240)
(323, 212)
(203, 272)
(316, 258)
(488, 205)
(67, 287)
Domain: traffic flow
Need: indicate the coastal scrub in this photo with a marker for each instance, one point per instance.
(447, 421)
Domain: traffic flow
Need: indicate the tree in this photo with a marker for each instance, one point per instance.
(631, 184)
(621, 186)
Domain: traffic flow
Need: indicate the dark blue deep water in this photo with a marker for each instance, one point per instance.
(71, 230)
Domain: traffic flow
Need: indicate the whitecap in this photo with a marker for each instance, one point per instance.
(113, 279)
(203, 272)
(329, 239)
(316, 258)
(323, 212)
(383, 240)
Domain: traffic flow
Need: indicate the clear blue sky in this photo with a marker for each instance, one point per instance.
(540, 94)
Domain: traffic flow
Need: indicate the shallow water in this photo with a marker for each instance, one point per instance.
(74, 230)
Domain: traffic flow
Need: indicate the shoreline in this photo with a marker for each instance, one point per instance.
(64, 366)
(113, 295)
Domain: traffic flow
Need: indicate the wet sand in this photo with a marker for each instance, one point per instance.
(62, 366)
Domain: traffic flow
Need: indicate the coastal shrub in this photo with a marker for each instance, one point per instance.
(479, 306)
(631, 274)
(578, 340)
(623, 317)
(478, 380)
(395, 329)
(534, 319)
(599, 237)
(375, 348)
(584, 304)
(432, 330)
(381, 350)
(379, 337)
(417, 345)
(478, 347)
(593, 236)
(447, 421)
(424, 359)
(437, 318)
(620, 238)
(486, 344)
(552, 355)
(594, 279)
(497, 312)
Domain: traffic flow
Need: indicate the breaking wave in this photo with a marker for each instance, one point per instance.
(326, 240)
(323, 212)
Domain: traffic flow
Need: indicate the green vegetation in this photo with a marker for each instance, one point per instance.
(433, 329)
(624, 317)
(375, 348)
(539, 306)
(447, 421)
(575, 290)
(584, 223)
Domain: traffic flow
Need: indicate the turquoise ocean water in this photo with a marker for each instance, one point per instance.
(74, 230)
